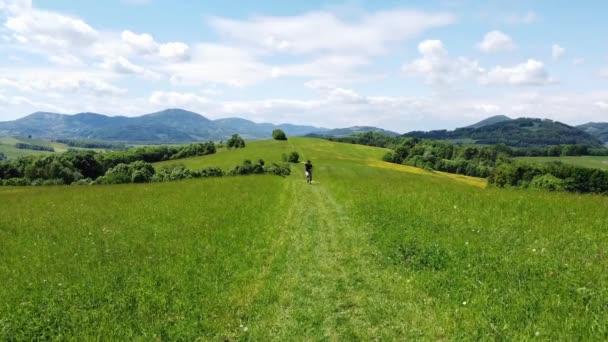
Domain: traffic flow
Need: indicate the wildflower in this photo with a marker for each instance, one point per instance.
(464, 303)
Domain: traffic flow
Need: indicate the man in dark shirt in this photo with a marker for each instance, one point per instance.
(308, 169)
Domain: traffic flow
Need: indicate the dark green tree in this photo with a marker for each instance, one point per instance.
(278, 134)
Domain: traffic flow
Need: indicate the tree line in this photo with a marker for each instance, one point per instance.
(24, 146)
(494, 162)
(127, 166)
(89, 166)
(92, 144)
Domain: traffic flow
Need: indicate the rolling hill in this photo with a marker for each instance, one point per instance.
(168, 126)
(490, 121)
(597, 129)
(370, 251)
(522, 132)
(344, 132)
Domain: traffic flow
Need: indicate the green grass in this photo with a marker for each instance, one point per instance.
(7, 146)
(370, 251)
(593, 162)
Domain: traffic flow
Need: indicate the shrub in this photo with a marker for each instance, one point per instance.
(279, 170)
(85, 181)
(293, 157)
(235, 142)
(547, 182)
(278, 134)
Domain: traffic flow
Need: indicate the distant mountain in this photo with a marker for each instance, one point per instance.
(522, 132)
(343, 132)
(597, 129)
(490, 121)
(168, 126)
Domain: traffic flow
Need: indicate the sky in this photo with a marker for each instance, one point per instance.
(399, 65)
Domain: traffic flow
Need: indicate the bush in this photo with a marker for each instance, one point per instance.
(278, 134)
(235, 142)
(547, 182)
(85, 181)
(279, 170)
(136, 172)
(293, 157)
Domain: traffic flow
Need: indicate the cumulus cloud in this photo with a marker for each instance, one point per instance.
(322, 31)
(557, 51)
(532, 72)
(29, 25)
(438, 67)
(146, 45)
(496, 41)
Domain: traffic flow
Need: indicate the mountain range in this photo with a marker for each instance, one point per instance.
(344, 132)
(179, 126)
(168, 126)
(521, 132)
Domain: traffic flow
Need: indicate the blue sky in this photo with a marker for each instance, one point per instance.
(394, 64)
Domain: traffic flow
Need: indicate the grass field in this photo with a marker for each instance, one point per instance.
(593, 162)
(7, 146)
(370, 251)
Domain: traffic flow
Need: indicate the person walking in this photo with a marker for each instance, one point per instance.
(308, 170)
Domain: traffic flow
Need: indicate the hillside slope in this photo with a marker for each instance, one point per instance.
(522, 132)
(370, 251)
(344, 132)
(597, 129)
(490, 121)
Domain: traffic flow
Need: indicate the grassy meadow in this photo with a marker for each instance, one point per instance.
(7, 146)
(592, 162)
(370, 251)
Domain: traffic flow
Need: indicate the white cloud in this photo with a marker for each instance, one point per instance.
(145, 44)
(122, 65)
(496, 41)
(557, 51)
(173, 99)
(604, 72)
(29, 25)
(67, 60)
(532, 72)
(58, 84)
(215, 63)
(602, 104)
(316, 32)
(438, 67)
(174, 51)
(139, 43)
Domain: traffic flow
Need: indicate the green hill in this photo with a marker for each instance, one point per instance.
(370, 251)
(597, 129)
(522, 132)
(167, 126)
(490, 121)
(345, 132)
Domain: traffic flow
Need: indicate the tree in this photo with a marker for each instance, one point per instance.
(235, 142)
(278, 134)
